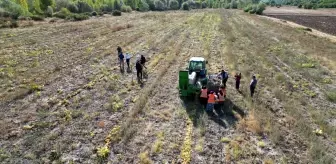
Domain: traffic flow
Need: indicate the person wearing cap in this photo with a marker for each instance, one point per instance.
(211, 101)
(253, 85)
(128, 58)
(224, 75)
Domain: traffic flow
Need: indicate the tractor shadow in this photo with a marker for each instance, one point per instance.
(223, 116)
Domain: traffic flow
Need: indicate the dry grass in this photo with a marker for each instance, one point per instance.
(250, 123)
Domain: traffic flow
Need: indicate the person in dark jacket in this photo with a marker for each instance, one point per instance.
(224, 75)
(119, 50)
(121, 61)
(138, 67)
(142, 60)
(238, 77)
(253, 85)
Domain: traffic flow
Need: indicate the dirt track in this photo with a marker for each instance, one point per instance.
(63, 96)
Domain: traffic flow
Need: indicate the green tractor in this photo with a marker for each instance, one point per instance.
(193, 78)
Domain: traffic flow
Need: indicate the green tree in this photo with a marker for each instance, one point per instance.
(24, 5)
(45, 3)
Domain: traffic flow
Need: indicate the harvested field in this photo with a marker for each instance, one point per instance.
(323, 19)
(63, 98)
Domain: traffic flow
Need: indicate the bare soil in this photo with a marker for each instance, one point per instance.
(322, 19)
(63, 98)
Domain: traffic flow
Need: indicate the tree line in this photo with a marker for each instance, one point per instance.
(66, 8)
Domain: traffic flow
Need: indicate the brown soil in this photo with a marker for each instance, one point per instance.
(325, 24)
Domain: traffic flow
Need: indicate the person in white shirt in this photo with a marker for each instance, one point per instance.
(128, 58)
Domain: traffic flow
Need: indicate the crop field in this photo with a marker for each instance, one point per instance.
(63, 98)
(322, 19)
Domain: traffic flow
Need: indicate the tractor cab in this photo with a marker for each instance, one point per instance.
(197, 65)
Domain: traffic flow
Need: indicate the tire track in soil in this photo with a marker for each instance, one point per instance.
(214, 127)
(128, 149)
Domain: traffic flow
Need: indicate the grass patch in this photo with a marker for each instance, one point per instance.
(114, 104)
(35, 88)
(236, 150)
(144, 159)
(331, 96)
(261, 144)
(327, 81)
(157, 147)
(103, 152)
(308, 65)
(225, 140)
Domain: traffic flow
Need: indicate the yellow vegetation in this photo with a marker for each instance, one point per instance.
(144, 159)
(186, 147)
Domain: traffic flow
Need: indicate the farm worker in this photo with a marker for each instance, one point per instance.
(143, 60)
(211, 101)
(221, 98)
(138, 67)
(238, 76)
(223, 90)
(204, 96)
(253, 85)
(224, 75)
(121, 61)
(128, 58)
(119, 50)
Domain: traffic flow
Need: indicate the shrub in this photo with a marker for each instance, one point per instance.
(45, 3)
(159, 5)
(260, 8)
(106, 8)
(185, 6)
(117, 5)
(300, 6)
(233, 5)
(37, 18)
(125, 8)
(59, 4)
(13, 24)
(94, 13)
(14, 9)
(77, 17)
(198, 5)
(84, 7)
(150, 4)
(143, 6)
(248, 8)
(72, 8)
(308, 5)
(64, 13)
(174, 5)
(4, 13)
(331, 96)
(204, 5)
(227, 6)
(191, 4)
(49, 11)
(116, 13)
